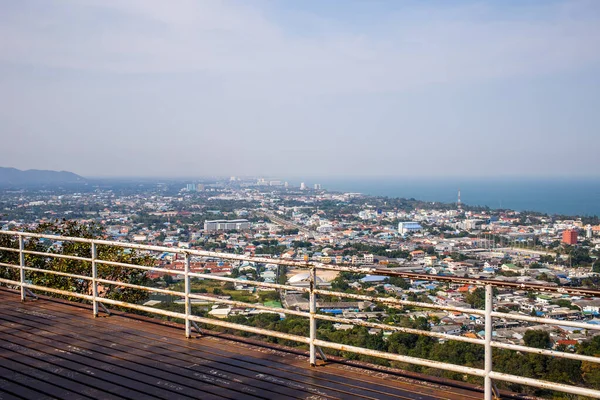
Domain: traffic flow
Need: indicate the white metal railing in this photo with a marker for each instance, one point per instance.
(314, 343)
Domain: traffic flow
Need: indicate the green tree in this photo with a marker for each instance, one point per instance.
(537, 338)
(76, 267)
(476, 298)
(400, 282)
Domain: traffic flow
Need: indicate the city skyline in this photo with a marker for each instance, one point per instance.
(138, 88)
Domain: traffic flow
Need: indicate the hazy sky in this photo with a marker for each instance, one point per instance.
(292, 88)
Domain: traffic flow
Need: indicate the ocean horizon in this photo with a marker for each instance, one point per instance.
(577, 196)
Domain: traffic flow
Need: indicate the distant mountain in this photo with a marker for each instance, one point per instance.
(35, 177)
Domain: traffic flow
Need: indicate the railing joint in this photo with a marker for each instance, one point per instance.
(197, 328)
(106, 310)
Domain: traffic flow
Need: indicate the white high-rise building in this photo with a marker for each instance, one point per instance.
(226, 225)
(302, 186)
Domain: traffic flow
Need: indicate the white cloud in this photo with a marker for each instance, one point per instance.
(249, 46)
(154, 87)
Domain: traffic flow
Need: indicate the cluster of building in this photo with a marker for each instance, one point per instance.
(270, 218)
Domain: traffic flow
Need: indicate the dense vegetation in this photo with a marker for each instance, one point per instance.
(76, 267)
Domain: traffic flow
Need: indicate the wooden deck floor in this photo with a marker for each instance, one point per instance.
(56, 349)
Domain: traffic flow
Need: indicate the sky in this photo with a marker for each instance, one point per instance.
(108, 88)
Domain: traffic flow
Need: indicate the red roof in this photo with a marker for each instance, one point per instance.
(567, 342)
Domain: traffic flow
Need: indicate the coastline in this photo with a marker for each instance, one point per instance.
(561, 196)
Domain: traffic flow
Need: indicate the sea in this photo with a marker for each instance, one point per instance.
(562, 196)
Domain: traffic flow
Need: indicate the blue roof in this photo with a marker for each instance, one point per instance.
(373, 278)
(332, 310)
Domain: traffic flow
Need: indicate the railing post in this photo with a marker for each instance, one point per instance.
(94, 282)
(22, 264)
(188, 327)
(313, 310)
(489, 303)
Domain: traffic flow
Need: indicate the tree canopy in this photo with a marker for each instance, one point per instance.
(76, 267)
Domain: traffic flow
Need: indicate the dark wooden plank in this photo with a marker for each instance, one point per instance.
(45, 382)
(344, 389)
(372, 390)
(70, 379)
(376, 380)
(69, 360)
(5, 395)
(11, 390)
(141, 352)
(274, 373)
(121, 366)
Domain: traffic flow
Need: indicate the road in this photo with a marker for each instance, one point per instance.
(285, 223)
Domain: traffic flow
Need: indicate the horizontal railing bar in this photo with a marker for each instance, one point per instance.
(401, 358)
(158, 248)
(545, 384)
(248, 305)
(47, 271)
(9, 249)
(48, 236)
(47, 289)
(59, 273)
(144, 288)
(253, 283)
(258, 331)
(399, 329)
(330, 293)
(141, 267)
(365, 270)
(208, 321)
(207, 298)
(57, 255)
(547, 321)
(469, 281)
(200, 275)
(546, 352)
(341, 294)
(392, 300)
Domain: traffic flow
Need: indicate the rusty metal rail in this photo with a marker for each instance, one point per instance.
(314, 343)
